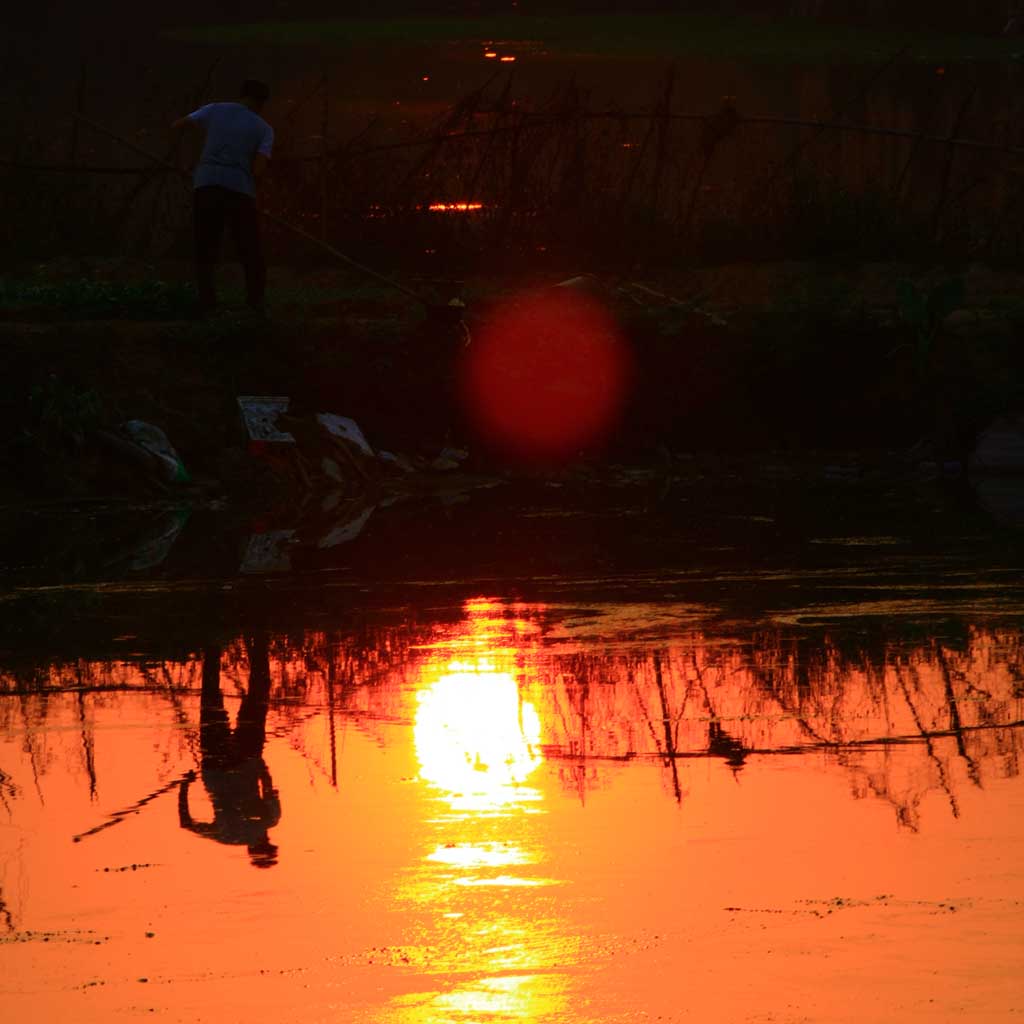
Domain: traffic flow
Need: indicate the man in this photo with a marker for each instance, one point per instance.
(235, 154)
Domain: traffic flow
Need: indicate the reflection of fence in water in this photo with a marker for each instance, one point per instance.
(956, 705)
(959, 710)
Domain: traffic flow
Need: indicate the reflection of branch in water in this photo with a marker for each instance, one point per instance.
(576, 683)
(88, 749)
(332, 670)
(929, 746)
(666, 720)
(8, 790)
(552, 753)
(30, 747)
(648, 720)
(118, 816)
(720, 743)
(973, 772)
(768, 682)
(5, 913)
(597, 703)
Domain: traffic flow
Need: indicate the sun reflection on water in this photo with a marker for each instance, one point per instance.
(477, 740)
(477, 737)
(481, 855)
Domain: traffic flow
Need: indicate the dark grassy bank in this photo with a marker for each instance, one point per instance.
(835, 365)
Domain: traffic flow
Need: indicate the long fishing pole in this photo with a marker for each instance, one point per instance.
(272, 217)
(118, 816)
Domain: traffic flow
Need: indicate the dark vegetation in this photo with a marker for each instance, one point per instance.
(566, 177)
(911, 165)
(833, 372)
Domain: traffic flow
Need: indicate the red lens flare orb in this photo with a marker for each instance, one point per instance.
(547, 377)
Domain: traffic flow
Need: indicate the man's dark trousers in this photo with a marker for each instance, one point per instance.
(213, 208)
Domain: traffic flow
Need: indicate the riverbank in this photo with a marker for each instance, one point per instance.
(887, 369)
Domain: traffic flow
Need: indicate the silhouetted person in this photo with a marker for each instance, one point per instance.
(245, 803)
(235, 153)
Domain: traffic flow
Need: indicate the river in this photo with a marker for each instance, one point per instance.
(606, 761)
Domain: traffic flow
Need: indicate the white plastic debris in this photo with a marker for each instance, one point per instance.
(259, 414)
(345, 428)
(155, 441)
(346, 531)
(581, 283)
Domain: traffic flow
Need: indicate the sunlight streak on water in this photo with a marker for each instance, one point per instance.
(481, 855)
(477, 740)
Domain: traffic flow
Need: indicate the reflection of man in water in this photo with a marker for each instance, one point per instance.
(245, 803)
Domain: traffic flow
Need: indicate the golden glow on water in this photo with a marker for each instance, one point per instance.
(475, 739)
(510, 997)
(480, 855)
(523, 813)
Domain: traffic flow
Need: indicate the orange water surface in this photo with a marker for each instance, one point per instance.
(518, 812)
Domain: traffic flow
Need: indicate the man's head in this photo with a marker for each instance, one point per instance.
(255, 94)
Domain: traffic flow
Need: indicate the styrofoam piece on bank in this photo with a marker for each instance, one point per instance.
(259, 414)
(344, 532)
(345, 428)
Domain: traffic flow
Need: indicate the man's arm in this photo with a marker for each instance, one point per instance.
(261, 158)
(184, 817)
(197, 117)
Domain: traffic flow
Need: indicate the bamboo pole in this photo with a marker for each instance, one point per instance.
(325, 115)
(947, 166)
(79, 110)
(118, 816)
(664, 124)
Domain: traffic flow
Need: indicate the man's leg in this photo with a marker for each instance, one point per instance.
(208, 219)
(214, 728)
(245, 226)
(251, 728)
